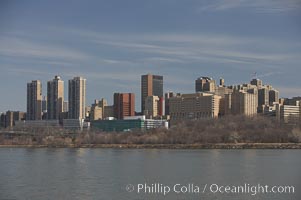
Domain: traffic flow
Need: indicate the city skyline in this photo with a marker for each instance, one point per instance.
(111, 43)
(138, 104)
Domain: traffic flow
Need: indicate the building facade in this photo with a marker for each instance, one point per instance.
(194, 106)
(98, 109)
(77, 98)
(11, 117)
(166, 99)
(55, 98)
(205, 84)
(151, 85)
(288, 114)
(34, 100)
(273, 96)
(124, 105)
(153, 107)
(243, 103)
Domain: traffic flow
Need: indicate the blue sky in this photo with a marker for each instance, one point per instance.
(112, 43)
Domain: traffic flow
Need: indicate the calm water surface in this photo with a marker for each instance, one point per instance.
(104, 173)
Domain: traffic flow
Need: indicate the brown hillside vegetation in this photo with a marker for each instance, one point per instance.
(234, 129)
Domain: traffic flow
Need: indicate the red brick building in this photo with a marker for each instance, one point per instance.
(124, 105)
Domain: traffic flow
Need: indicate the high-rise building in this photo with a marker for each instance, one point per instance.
(55, 97)
(124, 105)
(243, 102)
(77, 98)
(204, 84)
(34, 100)
(263, 98)
(151, 106)
(273, 96)
(167, 96)
(151, 85)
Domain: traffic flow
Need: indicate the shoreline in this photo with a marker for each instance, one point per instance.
(170, 146)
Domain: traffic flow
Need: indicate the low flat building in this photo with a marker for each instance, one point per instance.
(128, 124)
(288, 114)
(37, 123)
(76, 124)
(194, 106)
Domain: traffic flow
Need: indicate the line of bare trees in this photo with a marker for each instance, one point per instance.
(234, 129)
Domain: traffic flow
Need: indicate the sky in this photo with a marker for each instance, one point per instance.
(112, 43)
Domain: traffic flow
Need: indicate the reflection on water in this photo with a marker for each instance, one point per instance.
(103, 173)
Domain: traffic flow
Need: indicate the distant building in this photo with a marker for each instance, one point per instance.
(167, 96)
(292, 101)
(37, 124)
(34, 100)
(44, 104)
(205, 84)
(242, 102)
(108, 111)
(2, 120)
(257, 83)
(128, 124)
(151, 85)
(289, 114)
(76, 124)
(267, 95)
(263, 98)
(273, 96)
(124, 105)
(194, 106)
(98, 109)
(55, 97)
(77, 98)
(221, 82)
(222, 91)
(65, 106)
(11, 117)
(152, 106)
(87, 112)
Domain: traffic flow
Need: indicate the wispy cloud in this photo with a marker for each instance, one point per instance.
(185, 48)
(259, 6)
(19, 47)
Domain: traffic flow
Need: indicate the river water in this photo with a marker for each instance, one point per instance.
(63, 173)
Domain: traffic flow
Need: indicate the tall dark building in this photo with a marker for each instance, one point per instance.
(77, 98)
(273, 96)
(55, 98)
(34, 100)
(151, 85)
(124, 105)
(167, 96)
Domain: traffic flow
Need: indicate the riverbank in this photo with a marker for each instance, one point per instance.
(170, 146)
